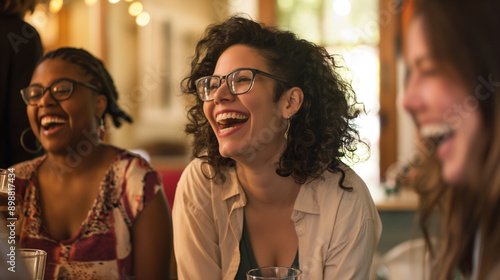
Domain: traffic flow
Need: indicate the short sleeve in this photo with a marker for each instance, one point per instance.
(138, 184)
(25, 174)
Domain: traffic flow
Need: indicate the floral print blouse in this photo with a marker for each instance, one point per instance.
(102, 249)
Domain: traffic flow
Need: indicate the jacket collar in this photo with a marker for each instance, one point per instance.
(307, 199)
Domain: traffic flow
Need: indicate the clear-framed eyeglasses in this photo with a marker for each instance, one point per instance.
(60, 90)
(239, 81)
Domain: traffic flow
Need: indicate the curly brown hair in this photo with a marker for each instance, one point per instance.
(320, 133)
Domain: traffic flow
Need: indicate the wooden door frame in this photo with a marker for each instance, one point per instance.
(389, 22)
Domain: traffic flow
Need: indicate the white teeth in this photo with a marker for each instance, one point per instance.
(224, 130)
(232, 115)
(434, 131)
(51, 120)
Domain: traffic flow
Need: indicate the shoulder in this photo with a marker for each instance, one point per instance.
(131, 162)
(16, 26)
(133, 174)
(10, 23)
(25, 173)
(197, 189)
(195, 179)
(331, 182)
(19, 33)
(199, 170)
(356, 201)
(347, 211)
(25, 169)
(133, 182)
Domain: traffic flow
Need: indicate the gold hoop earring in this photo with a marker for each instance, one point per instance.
(287, 128)
(101, 130)
(21, 139)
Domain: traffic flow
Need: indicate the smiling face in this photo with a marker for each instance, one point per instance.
(250, 124)
(444, 110)
(62, 124)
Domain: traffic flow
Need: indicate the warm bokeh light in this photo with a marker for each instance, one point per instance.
(135, 9)
(38, 18)
(142, 19)
(114, 1)
(342, 7)
(90, 2)
(285, 4)
(55, 6)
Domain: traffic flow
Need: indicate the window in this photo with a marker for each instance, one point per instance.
(350, 29)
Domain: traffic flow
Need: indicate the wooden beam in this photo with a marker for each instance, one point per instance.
(63, 39)
(268, 12)
(388, 84)
(103, 30)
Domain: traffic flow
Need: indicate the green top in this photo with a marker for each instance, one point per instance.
(247, 260)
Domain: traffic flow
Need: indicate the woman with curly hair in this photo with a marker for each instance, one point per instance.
(271, 122)
(452, 92)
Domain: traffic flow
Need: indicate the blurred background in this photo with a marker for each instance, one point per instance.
(147, 45)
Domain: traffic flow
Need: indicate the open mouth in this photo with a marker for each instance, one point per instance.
(52, 123)
(230, 121)
(437, 133)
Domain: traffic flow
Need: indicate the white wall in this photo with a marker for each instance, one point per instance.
(148, 64)
(406, 127)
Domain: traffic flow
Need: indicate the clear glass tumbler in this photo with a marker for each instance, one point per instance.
(34, 260)
(274, 273)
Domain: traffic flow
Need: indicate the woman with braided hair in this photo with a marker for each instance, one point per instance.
(98, 211)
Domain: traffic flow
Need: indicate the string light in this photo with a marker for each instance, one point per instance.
(90, 2)
(342, 7)
(135, 9)
(55, 6)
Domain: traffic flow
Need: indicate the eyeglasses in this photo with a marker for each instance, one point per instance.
(239, 81)
(59, 90)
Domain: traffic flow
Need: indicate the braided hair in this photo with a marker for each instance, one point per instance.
(101, 78)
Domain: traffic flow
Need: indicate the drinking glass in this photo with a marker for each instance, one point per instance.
(34, 260)
(274, 273)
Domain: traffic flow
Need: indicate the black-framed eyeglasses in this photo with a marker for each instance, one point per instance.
(60, 90)
(239, 81)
